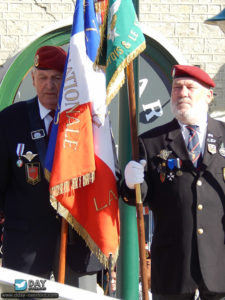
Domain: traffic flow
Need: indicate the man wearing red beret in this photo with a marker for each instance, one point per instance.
(182, 175)
(32, 226)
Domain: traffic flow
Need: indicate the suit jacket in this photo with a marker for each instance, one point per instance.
(188, 208)
(32, 226)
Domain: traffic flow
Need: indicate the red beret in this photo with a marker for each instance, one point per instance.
(193, 72)
(50, 58)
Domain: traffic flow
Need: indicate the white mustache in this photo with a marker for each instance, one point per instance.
(183, 100)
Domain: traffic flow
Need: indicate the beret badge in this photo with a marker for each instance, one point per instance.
(36, 60)
(173, 72)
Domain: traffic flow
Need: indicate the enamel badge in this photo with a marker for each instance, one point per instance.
(164, 154)
(222, 150)
(33, 172)
(212, 148)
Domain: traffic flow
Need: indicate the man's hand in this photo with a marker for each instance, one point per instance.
(134, 173)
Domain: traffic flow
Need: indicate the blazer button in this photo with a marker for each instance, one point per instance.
(200, 207)
(200, 231)
(199, 182)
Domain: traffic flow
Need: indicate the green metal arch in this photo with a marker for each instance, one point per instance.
(24, 61)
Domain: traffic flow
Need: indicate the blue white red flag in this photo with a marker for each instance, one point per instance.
(80, 153)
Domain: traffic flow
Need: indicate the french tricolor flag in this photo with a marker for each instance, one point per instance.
(80, 157)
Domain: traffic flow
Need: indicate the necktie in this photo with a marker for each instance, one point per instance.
(193, 146)
(52, 114)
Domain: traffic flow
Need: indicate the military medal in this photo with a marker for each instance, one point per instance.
(162, 176)
(179, 163)
(212, 148)
(224, 174)
(170, 176)
(171, 166)
(222, 150)
(171, 163)
(19, 152)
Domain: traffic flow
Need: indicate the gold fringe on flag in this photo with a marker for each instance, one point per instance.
(62, 211)
(111, 91)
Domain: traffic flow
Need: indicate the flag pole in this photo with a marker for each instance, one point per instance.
(139, 204)
(62, 253)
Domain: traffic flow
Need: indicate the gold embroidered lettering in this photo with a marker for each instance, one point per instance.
(113, 55)
(96, 206)
(133, 35)
(112, 197)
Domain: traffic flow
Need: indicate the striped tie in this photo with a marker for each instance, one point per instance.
(52, 114)
(193, 146)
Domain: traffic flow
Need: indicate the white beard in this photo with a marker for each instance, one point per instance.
(191, 115)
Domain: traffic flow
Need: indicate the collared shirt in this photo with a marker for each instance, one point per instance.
(44, 114)
(201, 131)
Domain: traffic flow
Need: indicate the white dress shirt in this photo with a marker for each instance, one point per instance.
(44, 114)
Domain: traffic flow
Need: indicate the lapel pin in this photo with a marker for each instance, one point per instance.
(164, 154)
(37, 134)
(212, 148)
(29, 156)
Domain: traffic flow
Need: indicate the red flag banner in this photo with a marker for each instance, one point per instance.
(83, 182)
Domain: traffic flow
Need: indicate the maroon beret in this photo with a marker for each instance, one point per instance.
(193, 72)
(50, 58)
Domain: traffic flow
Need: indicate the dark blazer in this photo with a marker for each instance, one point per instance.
(32, 226)
(188, 210)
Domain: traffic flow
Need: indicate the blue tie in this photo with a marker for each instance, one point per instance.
(194, 149)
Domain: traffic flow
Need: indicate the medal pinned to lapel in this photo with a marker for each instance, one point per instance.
(162, 176)
(29, 156)
(171, 166)
(171, 163)
(164, 154)
(19, 152)
(170, 176)
(222, 150)
(224, 174)
(212, 148)
(178, 165)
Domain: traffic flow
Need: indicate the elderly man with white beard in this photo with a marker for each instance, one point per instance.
(182, 176)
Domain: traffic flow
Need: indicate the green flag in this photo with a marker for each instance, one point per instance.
(122, 41)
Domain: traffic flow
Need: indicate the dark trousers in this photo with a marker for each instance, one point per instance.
(202, 294)
(187, 297)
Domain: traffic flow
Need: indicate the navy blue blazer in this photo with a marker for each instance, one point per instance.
(32, 226)
(188, 206)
